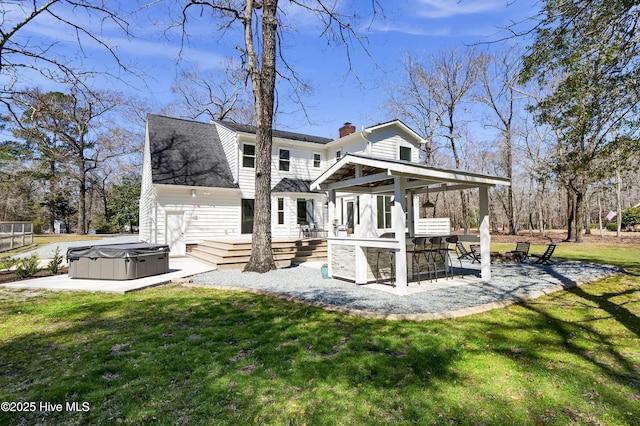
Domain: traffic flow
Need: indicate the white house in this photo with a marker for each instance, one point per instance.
(198, 180)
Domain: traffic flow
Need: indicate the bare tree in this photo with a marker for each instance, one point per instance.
(454, 75)
(20, 53)
(413, 101)
(218, 98)
(500, 92)
(263, 24)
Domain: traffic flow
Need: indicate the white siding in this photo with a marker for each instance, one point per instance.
(231, 150)
(146, 204)
(387, 143)
(357, 145)
(211, 213)
(300, 163)
(247, 178)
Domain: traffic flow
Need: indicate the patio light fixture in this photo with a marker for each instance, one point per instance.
(428, 204)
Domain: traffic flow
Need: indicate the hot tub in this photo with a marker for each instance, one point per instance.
(118, 261)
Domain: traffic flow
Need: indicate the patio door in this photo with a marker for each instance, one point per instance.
(175, 234)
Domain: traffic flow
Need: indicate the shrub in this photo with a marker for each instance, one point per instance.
(54, 264)
(631, 217)
(7, 262)
(27, 267)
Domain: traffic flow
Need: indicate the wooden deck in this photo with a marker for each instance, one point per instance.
(234, 252)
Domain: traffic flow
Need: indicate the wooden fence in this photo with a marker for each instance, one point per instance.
(15, 234)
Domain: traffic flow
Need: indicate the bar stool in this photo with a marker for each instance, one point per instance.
(392, 262)
(418, 249)
(432, 254)
(446, 253)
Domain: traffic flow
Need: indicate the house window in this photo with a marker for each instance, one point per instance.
(384, 211)
(338, 154)
(280, 211)
(246, 213)
(248, 155)
(284, 160)
(316, 160)
(405, 153)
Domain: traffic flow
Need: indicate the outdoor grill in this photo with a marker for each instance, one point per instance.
(118, 261)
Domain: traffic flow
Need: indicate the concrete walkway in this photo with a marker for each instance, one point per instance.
(179, 267)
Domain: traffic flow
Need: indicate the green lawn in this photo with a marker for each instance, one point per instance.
(177, 355)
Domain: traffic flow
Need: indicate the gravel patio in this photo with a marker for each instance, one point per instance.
(510, 283)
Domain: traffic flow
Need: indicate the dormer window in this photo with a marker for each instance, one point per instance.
(284, 161)
(405, 153)
(317, 160)
(338, 154)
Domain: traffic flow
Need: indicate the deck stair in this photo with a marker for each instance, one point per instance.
(228, 253)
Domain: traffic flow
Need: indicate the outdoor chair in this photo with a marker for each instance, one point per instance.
(463, 253)
(305, 231)
(475, 253)
(545, 258)
(522, 248)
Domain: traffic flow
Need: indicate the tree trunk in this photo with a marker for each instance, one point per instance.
(618, 206)
(51, 197)
(570, 214)
(263, 77)
(580, 201)
(600, 215)
(586, 216)
(465, 212)
(82, 201)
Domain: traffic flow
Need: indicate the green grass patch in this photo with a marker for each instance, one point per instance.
(177, 355)
(626, 256)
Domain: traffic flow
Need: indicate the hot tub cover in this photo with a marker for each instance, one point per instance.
(116, 251)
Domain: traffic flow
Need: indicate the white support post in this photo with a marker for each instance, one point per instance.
(361, 264)
(399, 224)
(331, 212)
(410, 214)
(485, 236)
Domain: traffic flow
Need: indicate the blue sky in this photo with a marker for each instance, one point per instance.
(419, 27)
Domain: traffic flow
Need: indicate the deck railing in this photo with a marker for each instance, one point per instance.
(15, 234)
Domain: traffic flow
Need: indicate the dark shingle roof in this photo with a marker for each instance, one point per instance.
(187, 153)
(245, 128)
(292, 185)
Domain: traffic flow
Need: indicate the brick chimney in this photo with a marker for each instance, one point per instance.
(347, 129)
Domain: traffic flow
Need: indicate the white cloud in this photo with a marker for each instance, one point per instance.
(414, 30)
(449, 8)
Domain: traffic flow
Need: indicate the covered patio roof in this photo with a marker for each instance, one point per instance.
(359, 173)
(356, 173)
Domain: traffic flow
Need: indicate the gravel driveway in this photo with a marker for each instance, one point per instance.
(510, 283)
